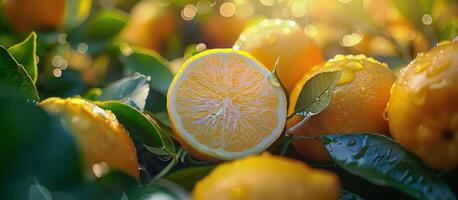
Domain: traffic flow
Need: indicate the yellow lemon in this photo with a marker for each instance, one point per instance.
(104, 143)
(267, 177)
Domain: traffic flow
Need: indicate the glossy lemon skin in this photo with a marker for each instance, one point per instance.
(358, 103)
(285, 40)
(104, 143)
(267, 177)
(423, 108)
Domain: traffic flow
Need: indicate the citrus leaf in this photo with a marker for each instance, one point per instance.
(13, 74)
(139, 126)
(346, 195)
(174, 161)
(151, 64)
(76, 12)
(99, 31)
(106, 24)
(414, 13)
(169, 146)
(189, 176)
(124, 196)
(114, 184)
(132, 90)
(39, 192)
(34, 147)
(156, 102)
(159, 189)
(93, 94)
(447, 30)
(317, 93)
(163, 118)
(25, 53)
(382, 161)
(167, 150)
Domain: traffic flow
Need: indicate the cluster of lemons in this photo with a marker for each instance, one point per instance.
(224, 104)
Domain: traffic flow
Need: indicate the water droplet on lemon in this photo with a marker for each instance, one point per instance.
(422, 66)
(439, 68)
(419, 97)
(353, 66)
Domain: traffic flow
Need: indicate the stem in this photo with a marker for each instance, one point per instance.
(304, 137)
(285, 147)
(290, 116)
(295, 128)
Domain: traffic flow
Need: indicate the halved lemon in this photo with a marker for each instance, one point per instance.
(224, 104)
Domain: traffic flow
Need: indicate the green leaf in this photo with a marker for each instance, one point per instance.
(34, 146)
(317, 93)
(115, 184)
(156, 102)
(382, 161)
(13, 74)
(93, 94)
(99, 31)
(25, 53)
(169, 145)
(189, 176)
(163, 118)
(346, 195)
(71, 83)
(39, 192)
(414, 9)
(106, 24)
(132, 90)
(76, 12)
(139, 126)
(173, 162)
(160, 189)
(447, 30)
(151, 64)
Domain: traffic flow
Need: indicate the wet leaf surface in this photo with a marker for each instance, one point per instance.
(382, 161)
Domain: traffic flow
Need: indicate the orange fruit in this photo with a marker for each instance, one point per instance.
(104, 143)
(28, 15)
(423, 109)
(151, 24)
(267, 177)
(222, 105)
(222, 32)
(285, 39)
(358, 103)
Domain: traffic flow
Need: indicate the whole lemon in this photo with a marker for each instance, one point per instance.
(213, 26)
(27, 15)
(358, 103)
(104, 143)
(151, 24)
(423, 108)
(283, 39)
(267, 177)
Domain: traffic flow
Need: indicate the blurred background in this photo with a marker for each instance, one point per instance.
(79, 40)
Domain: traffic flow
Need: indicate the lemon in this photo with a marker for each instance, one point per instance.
(222, 105)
